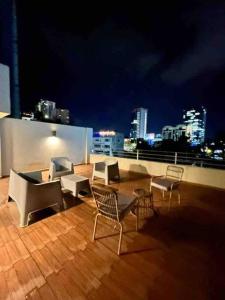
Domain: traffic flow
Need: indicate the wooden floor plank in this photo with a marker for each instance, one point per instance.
(33, 295)
(26, 279)
(14, 286)
(46, 293)
(34, 272)
(58, 288)
(4, 291)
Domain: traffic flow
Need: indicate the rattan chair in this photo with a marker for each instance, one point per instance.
(169, 182)
(112, 206)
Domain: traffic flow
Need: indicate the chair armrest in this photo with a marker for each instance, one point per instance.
(69, 165)
(52, 170)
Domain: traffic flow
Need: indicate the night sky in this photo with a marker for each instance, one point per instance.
(101, 61)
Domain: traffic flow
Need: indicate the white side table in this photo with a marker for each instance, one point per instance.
(75, 184)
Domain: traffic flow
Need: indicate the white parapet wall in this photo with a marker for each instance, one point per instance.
(29, 145)
(204, 176)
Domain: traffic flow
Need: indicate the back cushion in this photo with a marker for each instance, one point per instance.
(59, 167)
(30, 179)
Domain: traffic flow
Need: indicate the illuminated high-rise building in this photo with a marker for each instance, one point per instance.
(195, 120)
(47, 109)
(174, 132)
(63, 115)
(139, 123)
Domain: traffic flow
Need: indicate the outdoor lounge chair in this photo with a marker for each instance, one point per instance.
(108, 170)
(60, 166)
(30, 194)
(169, 182)
(113, 206)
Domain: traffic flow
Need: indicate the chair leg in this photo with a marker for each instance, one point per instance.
(95, 227)
(120, 239)
(178, 196)
(163, 193)
(170, 199)
(137, 217)
(24, 219)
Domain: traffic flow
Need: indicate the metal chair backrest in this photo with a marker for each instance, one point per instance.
(106, 202)
(174, 172)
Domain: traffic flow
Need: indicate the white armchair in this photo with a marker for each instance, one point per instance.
(30, 194)
(108, 170)
(60, 166)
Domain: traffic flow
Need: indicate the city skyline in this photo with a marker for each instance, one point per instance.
(103, 64)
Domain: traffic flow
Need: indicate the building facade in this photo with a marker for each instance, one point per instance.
(174, 132)
(47, 109)
(195, 120)
(168, 132)
(139, 123)
(63, 116)
(107, 141)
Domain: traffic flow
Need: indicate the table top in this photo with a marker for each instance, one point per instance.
(74, 178)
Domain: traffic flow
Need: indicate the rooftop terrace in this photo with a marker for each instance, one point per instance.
(177, 255)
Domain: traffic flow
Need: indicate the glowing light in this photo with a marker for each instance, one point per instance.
(107, 133)
(53, 140)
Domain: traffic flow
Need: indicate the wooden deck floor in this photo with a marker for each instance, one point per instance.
(178, 255)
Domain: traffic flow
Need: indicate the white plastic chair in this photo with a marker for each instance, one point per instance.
(108, 170)
(169, 182)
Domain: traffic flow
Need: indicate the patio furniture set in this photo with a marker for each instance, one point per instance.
(32, 194)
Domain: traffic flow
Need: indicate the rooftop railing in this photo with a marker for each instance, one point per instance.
(183, 158)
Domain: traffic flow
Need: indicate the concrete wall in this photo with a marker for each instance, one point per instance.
(29, 145)
(204, 176)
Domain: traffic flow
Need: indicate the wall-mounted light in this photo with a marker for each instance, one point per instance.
(53, 132)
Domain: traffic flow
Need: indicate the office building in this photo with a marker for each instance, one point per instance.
(150, 138)
(47, 109)
(107, 141)
(168, 132)
(139, 123)
(174, 132)
(29, 116)
(195, 120)
(63, 116)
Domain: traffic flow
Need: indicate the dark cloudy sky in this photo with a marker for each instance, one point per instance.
(101, 61)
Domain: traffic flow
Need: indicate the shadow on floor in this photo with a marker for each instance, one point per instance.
(69, 202)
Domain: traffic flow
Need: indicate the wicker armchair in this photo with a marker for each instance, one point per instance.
(169, 182)
(111, 206)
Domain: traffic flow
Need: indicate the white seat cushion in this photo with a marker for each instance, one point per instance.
(164, 184)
